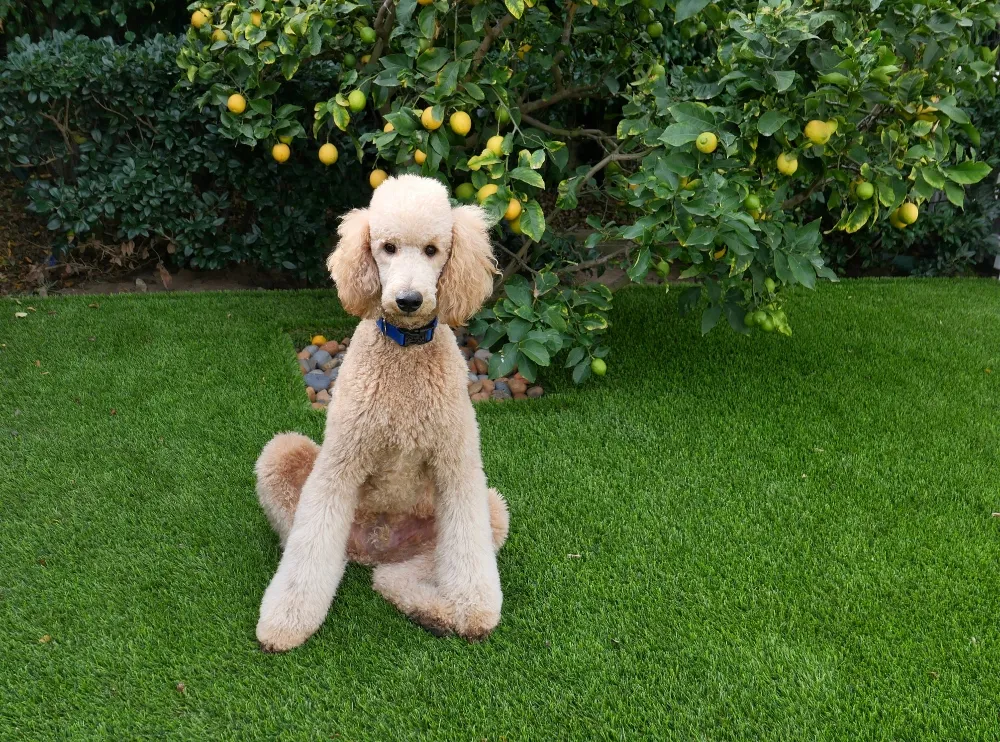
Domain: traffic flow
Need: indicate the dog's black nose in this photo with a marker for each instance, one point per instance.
(409, 301)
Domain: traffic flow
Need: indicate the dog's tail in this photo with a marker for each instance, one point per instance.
(282, 469)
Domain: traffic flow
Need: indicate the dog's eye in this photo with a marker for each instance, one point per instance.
(430, 251)
(389, 248)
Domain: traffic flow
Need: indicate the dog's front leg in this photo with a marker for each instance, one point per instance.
(299, 596)
(465, 562)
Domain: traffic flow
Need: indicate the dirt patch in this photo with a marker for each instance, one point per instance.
(24, 241)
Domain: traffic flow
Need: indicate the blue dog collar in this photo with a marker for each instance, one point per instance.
(404, 337)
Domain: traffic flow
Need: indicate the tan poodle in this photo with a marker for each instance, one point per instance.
(398, 482)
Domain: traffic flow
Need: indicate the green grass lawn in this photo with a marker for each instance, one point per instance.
(729, 538)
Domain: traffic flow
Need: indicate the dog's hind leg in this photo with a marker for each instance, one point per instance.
(499, 519)
(282, 469)
(410, 587)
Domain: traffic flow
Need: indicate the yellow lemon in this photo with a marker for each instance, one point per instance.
(427, 119)
(908, 213)
(328, 154)
(200, 17)
(706, 142)
(832, 125)
(817, 132)
(787, 164)
(461, 123)
(420, 156)
(895, 221)
(388, 127)
(218, 35)
(285, 140)
(256, 18)
(236, 104)
(465, 191)
(377, 178)
(495, 145)
(318, 340)
(515, 225)
(513, 210)
(280, 152)
(486, 191)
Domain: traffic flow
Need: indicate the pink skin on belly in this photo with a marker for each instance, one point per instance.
(381, 539)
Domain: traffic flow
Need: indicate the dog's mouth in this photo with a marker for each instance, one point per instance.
(409, 320)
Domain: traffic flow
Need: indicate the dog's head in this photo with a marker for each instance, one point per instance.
(410, 256)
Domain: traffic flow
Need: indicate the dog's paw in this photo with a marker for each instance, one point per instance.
(275, 635)
(477, 623)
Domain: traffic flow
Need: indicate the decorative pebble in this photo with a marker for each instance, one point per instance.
(317, 380)
(321, 361)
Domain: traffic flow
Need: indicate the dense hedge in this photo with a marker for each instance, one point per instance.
(114, 149)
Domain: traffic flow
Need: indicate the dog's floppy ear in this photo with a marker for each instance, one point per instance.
(467, 278)
(353, 268)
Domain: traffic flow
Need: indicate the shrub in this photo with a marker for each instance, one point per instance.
(708, 167)
(124, 18)
(119, 154)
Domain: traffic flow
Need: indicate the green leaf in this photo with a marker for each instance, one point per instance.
(956, 194)
(519, 291)
(261, 106)
(517, 329)
(638, 270)
(545, 281)
(802, 269)
(701, 236)
(503, 361)
(933, 175)
(677, 135)
(953, 112)
(688, 8)
(783, 80)
(535, 351)
(859, 217)
(594, 322)
(688, 300)
(402, 122)
(836, 78)
(516, 7)
(710, 317)
(582, 371)
(693, 113)
(527, 367)
(533, 220)
(770, 122)
(575, 356)
(475, 92)
(341, 118)
(432, 60)
(554, 318)
(493, 333)
(527, 175)
(967, 173)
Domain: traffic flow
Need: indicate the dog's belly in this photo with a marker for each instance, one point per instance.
(394, 520)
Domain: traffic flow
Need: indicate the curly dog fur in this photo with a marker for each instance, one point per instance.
(398, 482)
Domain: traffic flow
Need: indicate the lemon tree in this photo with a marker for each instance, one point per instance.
(698, 133)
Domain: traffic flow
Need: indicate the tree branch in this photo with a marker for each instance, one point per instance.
(564, 42)
(383, 27)
(491, 36)
(511, 268)
(800, 198)
(581, 91)
(588, 264)
(596, 134)
(614, 157)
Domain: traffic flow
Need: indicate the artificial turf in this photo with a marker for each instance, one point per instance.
(730, 538)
